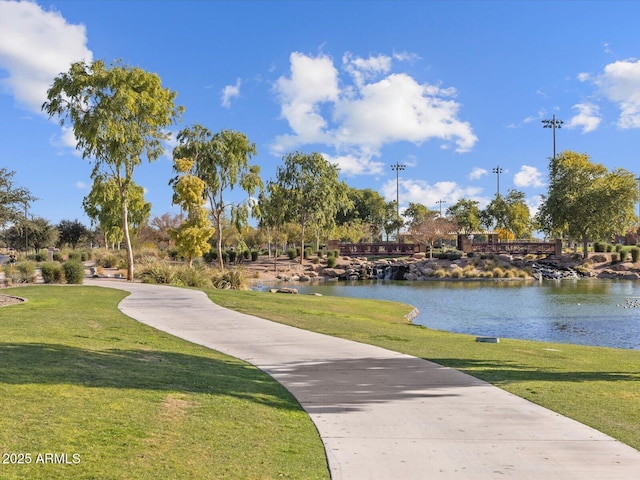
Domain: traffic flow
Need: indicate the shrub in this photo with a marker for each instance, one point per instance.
(57, 257)
(315, 260)
(73, 271)
(618, 247)
(230, 280)
(609, 248)
(232, 256)
(210, 256)
(196, 276)
(52, 272)
(254, 255)
(291, 253)
(307, 253)
(623, 255)
(614, 257)
(599, 247)
(331, 262)
(24, 272)
(635, 254)
(457, 273)
(156, 272)
(497, 272)
(73, 255)
(40, 257)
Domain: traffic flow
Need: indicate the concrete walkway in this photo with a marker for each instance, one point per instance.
(385, 415)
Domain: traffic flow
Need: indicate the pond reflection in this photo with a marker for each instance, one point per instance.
(586, 312)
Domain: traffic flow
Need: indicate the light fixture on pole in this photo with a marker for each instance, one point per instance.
(498, 170)
(553, 123)
(397, 167)
(441, 202)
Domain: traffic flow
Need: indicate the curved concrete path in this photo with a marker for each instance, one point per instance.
(385, 415)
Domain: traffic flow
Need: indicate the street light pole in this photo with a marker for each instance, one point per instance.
(498, 170)
(397, 167)
(553, 123)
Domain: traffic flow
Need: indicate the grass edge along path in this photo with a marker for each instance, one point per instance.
(597, 386)
(112, 398)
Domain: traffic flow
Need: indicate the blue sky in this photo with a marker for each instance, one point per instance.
(450, 89)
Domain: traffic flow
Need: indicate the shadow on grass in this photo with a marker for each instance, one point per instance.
(49, 364)
(510, 372)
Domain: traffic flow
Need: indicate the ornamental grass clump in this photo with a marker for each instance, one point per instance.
(229, 280)
(25, 272)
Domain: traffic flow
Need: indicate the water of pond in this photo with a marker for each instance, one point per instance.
(586, 312)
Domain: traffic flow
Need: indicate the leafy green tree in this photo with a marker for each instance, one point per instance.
(71, 232)
(466, 214)
(104, 206)
(310, 192)
(41, 233)
(272, 216)
(509, 214)
(221, 160)
(369, 208)
(193, 234)
(13, 199)
(416, 213)
(392, 222)
(119, 114)
(586, 201)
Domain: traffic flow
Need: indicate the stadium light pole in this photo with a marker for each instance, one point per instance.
(498, 170)
(441, 202)
(553, 124)
(397, 167)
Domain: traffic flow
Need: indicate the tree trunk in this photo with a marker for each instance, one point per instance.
(302, 246)
(585, 253)
(219, 241)
(127, 239)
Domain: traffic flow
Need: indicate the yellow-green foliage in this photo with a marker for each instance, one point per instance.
(497, 272)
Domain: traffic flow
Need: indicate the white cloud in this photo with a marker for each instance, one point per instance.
(35, 46)
(81, 186)
(584, 77)
(229, 92)
(477, 173)
(351, 165)
(528, 177)
(419, 191)
(620, 83)
(588, 117)
(358, 119)
(313, 81)
(362, 69)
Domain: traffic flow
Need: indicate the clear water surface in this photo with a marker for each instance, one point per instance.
(586, 312)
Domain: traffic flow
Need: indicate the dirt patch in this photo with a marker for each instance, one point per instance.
(9, 300)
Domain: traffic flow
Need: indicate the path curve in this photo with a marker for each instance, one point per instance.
(386, 415)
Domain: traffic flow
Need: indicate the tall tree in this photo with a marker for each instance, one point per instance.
(509, 215)
(466, 214)
(392, 222)
(104, 206)
(312, 192)
(70, 232)
(369, 209)
(221, 160)
(193, 234)
(416, 213)
(119, 114)
(586, 201)
(13, 199)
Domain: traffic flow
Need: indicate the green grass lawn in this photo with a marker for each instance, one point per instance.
(596, 386)
(122, 400)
